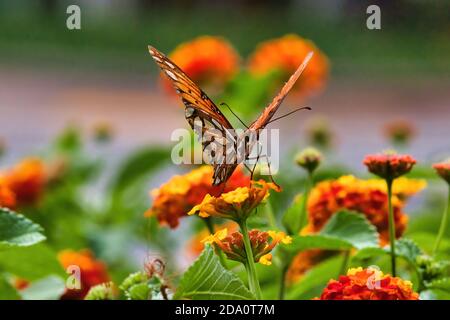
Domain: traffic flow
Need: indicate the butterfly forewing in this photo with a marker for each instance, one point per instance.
(204, 117)
(270, 110)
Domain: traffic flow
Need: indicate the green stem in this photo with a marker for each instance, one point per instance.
(308, 187)
(283, 272)
(220, 254)
(443, 226)
(345, 261)
(209, 225)
(270, 215)
(250, 265)
(391, 227)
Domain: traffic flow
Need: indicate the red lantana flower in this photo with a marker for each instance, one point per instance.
(443, 169)
(389, 166)
(92, 271)
(368, 284)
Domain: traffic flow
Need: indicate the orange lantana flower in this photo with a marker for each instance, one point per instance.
(389, 166)
(7, 196)
(366, 196)
(26, 180)
(443, 170)
(181, 193)
(369, 197)
(286, 54)
(209, 61)
(368, 284)
(196, 245)
(92, 271)
(262, 244)
(235, 205)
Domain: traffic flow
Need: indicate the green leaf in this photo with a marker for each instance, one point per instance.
(313, 282)
(407, 249)
(102, 291)
(7, 292)
(440, 284)
(31, 263)
(49, 288)
(139, 165)
(345, 230)
(207, 279)
(291, 218)
(135, 286)
(18, 231)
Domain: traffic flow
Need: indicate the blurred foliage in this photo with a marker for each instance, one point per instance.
(115, 38)
(85, 206)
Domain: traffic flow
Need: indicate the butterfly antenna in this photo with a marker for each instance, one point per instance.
(289, 113)
(226, 105)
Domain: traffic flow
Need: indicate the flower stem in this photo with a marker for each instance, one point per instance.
(209, 225)
(345, 260)
(443, 226)
(391, 227)
(308, 187)
(250, 265)
(283, 272)
(270, 215)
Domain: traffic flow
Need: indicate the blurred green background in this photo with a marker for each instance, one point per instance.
(414, 36)
(52, 77)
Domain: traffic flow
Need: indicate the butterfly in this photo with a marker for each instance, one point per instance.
(206, 119)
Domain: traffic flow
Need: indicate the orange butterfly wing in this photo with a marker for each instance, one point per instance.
(272, 108)
(199, 106)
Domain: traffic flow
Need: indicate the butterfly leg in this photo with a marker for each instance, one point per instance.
(268, 166)
(270, 173)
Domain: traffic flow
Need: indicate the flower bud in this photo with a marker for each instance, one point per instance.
(389, 165)
(309, 159)
(443, 170)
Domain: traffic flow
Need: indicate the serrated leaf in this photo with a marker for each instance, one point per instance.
(292, 217)
(207, 279)
(345, 230)
(18, 231)
(31, 263)
(407, 249)
(49, 288)
(353, 228)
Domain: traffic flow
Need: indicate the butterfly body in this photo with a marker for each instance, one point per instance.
(208, 122)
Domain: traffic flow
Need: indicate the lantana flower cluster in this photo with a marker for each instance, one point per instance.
(23, 184)
(235, 205)
(174, 199)
(368, 284)
(369, 197)
(92, 271)
(285, 54)
(366, 196)
(207, 60)
(262, 244)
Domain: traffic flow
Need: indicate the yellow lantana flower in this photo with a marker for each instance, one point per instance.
(235, 205)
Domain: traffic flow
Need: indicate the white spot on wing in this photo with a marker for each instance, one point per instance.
(171, 74)
(170, 65)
